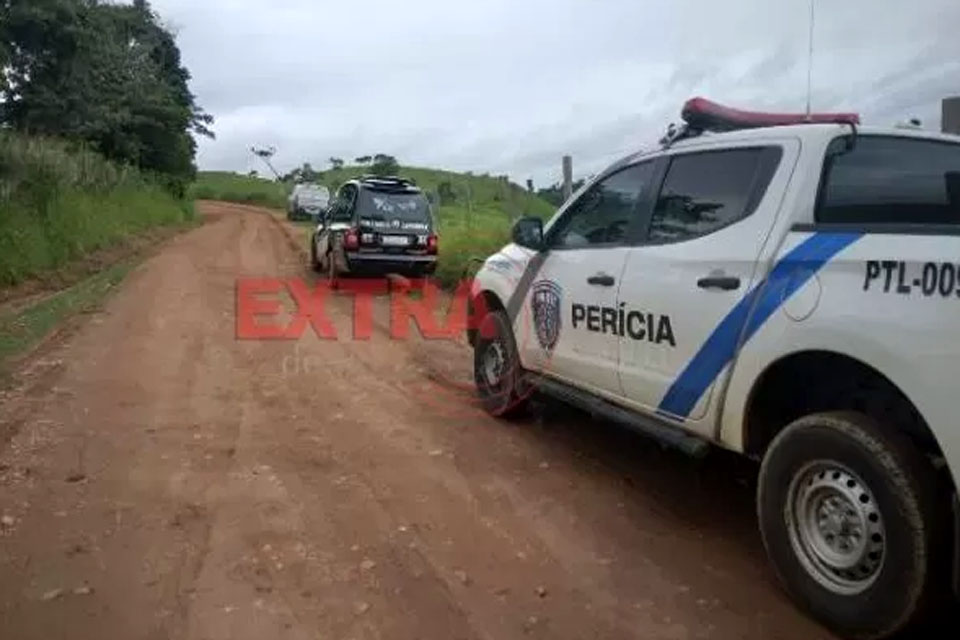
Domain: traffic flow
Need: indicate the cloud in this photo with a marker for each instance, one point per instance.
(508, 87)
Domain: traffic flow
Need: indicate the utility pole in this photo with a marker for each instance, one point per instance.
(567, 177)
(951, 115)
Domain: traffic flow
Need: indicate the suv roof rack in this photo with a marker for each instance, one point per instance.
(393, 180)
(700, 115)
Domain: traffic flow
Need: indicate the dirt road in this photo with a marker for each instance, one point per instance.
(161, 479)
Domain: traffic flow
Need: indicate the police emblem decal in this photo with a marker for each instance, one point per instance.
(546, 299)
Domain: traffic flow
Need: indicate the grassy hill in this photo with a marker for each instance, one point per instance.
(474, 213)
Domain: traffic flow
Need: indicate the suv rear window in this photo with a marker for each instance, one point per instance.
(392, 205)
(891, 180)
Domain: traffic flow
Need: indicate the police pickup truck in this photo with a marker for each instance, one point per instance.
(786, 287)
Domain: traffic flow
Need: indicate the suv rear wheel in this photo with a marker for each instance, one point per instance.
(496, 367)
(847, 514)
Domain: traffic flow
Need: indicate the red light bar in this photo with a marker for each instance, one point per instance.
(700, 113)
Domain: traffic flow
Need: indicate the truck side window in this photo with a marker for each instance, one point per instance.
(706, 191)
(602, 215)
(886, 179)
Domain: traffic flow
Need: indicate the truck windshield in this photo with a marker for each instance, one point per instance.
(380, 205)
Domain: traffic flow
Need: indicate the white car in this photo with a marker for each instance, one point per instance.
(788, 289)
(308, 202)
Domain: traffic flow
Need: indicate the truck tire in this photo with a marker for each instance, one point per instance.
(496, 368)
(848, 512)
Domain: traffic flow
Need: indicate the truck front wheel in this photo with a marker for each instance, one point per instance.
(847, 514)
(499, 377)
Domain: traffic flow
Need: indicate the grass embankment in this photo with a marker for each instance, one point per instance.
(58, 204)
(474, 213)
(64, 209)
(22, 329)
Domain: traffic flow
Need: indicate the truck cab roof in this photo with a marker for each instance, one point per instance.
(808, 135)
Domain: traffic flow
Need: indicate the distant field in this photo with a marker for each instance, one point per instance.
(474, 213)
(233, 187)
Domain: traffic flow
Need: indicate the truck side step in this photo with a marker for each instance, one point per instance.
(662, 431)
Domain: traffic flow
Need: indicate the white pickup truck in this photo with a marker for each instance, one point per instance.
(787, 288)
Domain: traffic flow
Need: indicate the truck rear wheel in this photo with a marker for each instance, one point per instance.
(496, 367)
(847, 512)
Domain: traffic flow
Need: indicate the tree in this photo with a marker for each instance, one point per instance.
(265, 154)
(364, 160)
(336, 163)
(530, 185)
(307, 174)
(106, 74)
(384, 165)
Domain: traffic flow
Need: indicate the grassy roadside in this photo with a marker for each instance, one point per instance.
(56, 297)
(61, 202)
(23, 329)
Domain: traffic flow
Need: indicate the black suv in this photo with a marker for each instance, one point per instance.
(376, 225)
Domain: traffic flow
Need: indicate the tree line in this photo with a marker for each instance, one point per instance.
(106, 75)
(379, 164)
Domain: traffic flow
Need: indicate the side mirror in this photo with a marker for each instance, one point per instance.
(528, 232)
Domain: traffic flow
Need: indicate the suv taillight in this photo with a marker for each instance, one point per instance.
(350, 239)
(432, 244)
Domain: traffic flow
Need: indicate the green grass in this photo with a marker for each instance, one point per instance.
(59, 202)
(233, 187)
(464, 237)
(21, 330)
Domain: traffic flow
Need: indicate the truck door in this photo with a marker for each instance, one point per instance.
(685, 289)
(566, 328)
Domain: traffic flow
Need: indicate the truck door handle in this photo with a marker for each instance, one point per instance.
(601, 280)
(726, 283)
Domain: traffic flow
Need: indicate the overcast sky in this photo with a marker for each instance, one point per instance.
(508, 86)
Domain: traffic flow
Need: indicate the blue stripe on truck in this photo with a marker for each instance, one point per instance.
(789, 274)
